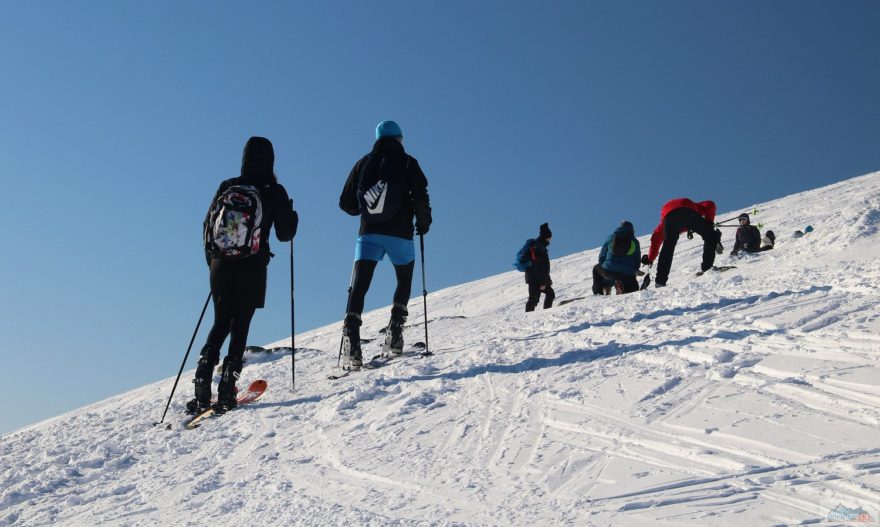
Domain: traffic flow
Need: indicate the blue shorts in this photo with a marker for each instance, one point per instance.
(374, 246)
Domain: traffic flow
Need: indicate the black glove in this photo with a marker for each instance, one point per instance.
(423, 221)
(645, 260)
(690, 234)
(294, 219)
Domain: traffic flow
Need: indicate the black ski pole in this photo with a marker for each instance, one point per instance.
(186, 356)
(292, 321)
(759, 225)
(342, 338)
(720, 223)
(424, 293)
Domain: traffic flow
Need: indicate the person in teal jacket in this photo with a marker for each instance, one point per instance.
(618, 262)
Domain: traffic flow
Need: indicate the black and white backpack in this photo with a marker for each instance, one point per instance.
(233, 228)
(381, 186)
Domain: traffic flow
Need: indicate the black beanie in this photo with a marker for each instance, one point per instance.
(545, 232)
(743, 216)
(258, 156)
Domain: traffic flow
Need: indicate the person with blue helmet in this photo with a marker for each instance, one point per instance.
(388, 190)
(619, 261)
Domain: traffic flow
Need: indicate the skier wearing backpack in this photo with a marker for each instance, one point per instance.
(748, 238)
(618, 262)
(236, 233)
(387, 189)
(538, 273)
(678, 216)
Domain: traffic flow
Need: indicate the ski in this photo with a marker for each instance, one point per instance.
(261, 349)
(381, 359)
(718, 268)
(251, 394)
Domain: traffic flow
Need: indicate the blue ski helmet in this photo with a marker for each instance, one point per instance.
(388, 129)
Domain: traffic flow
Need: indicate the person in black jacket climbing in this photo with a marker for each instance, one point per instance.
(538, 274)
(388, 189)
(236, 232)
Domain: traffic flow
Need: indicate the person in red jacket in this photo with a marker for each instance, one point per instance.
(678, 216)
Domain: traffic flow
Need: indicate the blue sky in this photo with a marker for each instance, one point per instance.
(120, 119)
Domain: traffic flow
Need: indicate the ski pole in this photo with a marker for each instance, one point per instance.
(758, 225)
(186, 356)
(424, 292)
(719, 224)
(342, 338)
(292, 321)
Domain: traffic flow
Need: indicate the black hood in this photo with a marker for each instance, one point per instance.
(258, 158)
(388, 144)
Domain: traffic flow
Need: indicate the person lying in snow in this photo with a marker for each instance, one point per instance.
(748, 238)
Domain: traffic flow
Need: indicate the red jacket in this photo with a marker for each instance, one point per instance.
(705, 209)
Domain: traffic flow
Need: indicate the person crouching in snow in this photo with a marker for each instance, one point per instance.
(678, 216)
(748, 238)
(538, 274)
(618, 262)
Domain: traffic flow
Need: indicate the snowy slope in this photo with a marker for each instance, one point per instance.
(748, 397)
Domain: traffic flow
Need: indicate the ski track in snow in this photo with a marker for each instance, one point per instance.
(747, 397)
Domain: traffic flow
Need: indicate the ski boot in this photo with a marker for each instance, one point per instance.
(719, 248)
(226, 390)
(768, 240)
(202, 382)
(352, 358)
(394, 332)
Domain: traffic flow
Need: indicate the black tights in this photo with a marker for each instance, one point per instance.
(363, 275)
(628, 281)
(231, 321)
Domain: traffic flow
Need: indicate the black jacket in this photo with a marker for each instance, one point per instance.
(539, 272)
(276, 211)
(419, 206)
(748, 238)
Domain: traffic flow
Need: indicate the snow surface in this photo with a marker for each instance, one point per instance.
(748, 397)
